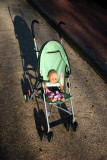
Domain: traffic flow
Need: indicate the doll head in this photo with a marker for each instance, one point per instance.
(53, 76)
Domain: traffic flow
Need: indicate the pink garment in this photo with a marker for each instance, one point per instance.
(56, 95)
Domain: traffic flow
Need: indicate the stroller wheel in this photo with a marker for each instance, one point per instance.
(68, 126)
(42, 136)
(75, 126)
(50, 136)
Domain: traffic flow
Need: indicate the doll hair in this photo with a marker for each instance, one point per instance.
(51, 71)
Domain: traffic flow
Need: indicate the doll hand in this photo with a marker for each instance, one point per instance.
(61, 87)
(62, 90)
(47, 89)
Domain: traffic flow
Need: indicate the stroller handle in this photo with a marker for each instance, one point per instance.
(32, 27)
(59, 29)
(33, 33)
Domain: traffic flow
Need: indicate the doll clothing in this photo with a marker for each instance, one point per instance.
(54, 91)
(56, 95)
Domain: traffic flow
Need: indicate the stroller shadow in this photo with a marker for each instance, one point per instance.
(25, 85)
(24, 37)
(29, 64)
(62, 113)
(40, 120)
(27, 53)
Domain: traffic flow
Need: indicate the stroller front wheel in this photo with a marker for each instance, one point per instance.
(42, 136)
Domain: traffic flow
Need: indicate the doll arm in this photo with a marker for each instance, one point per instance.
(61, 87)
(45, 86)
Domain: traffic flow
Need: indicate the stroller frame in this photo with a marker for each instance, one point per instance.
(70, 120)
(52, 105)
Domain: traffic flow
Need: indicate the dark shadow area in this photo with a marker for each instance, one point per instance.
(63, 114)
(26, 44)
(40, 120)
(92, 3)
(28, 56)
(25, 85)
(29, 64)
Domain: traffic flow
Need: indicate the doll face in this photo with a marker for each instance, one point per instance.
(53, 77)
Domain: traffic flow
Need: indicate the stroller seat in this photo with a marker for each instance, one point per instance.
(66, 96)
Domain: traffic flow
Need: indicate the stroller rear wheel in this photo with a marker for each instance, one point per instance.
(75, 126)
(50, 136)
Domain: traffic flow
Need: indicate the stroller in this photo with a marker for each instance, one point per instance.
(52, 56)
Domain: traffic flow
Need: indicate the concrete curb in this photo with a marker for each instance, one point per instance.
(85, 54)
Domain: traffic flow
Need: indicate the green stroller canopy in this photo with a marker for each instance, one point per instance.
(53, 57)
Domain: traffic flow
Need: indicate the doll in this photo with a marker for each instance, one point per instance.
(53, 88)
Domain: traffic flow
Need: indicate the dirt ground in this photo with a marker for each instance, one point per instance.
(20, 122)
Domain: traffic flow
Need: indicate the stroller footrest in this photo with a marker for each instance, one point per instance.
(60, 121)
